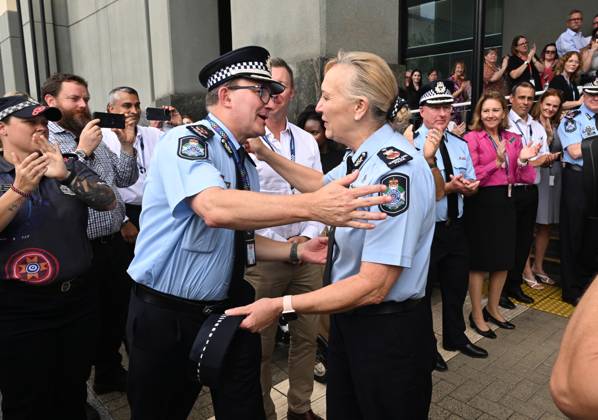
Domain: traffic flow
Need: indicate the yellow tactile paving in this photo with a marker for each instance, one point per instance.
(548, 300)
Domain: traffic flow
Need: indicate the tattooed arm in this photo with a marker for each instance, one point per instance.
(89, 187)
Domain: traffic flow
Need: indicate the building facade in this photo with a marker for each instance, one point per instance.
(158, 46)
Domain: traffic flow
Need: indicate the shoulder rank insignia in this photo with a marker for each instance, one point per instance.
(200, 131)
(397, 188)
(192, 148)
(572, 114)
(393, 157)
(360, 159)
(570, 125)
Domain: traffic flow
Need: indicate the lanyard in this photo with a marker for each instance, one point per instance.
(228, 146)
(142, 147)
(265, 138)
(531, 133)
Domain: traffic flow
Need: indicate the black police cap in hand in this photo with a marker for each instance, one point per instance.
(248, 62)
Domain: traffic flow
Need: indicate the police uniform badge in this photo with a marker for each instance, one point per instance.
(360, 159)
(570, 125)
(192, 148)
(397, 188)
(393, 157)
(440, 88)
(589, 131)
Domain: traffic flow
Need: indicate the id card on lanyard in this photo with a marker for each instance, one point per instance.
(248, 236)
(292, 147)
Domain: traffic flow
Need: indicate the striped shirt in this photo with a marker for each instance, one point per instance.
(116, 171)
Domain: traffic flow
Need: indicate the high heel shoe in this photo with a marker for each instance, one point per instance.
(543, 278)
(502, 324)
(487, 333)
(532, 283)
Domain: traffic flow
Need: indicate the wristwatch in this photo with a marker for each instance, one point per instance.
(432, 165)
(81, 154)
(293, 256)
(288, 313)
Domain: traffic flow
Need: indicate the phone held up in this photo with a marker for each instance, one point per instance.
(157, 114)
(108, 120)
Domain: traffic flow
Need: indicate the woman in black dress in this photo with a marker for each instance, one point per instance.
(567, 75)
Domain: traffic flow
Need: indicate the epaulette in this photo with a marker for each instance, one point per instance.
(200, 131)
(393, 157)
(572, 114)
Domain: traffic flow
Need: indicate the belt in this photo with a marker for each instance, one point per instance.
(175, 303)
(573, 167)
(385, 308)
(525, 187)
(60, 286)
(104, 240)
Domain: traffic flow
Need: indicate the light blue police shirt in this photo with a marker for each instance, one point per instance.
(460, 159)
(404, 238)
(176, 252)
(574, 127)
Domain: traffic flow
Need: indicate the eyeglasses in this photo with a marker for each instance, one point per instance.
(262, 91)
(550, 51)
(522, 44)
(574, 19)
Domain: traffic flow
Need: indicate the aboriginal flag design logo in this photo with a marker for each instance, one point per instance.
(33, 266)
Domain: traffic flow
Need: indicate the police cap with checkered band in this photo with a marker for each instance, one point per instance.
(248, 62)
(591, 88)
(25, 107)
(436, 93)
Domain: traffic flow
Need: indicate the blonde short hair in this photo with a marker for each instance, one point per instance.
(372, 79)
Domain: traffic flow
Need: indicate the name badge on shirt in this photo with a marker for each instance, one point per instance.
(551, 181)
(250, 247)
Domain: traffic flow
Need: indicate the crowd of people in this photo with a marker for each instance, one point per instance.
(186, 241)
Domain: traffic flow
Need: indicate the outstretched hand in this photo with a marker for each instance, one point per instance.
(260, 314)
(337, 205)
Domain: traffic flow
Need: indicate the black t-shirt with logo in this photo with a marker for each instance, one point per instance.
(47, 240)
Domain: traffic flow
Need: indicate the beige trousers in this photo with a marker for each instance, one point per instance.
(275, 279)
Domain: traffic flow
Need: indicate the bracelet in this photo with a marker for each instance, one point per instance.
(20, 192)
(432, 165)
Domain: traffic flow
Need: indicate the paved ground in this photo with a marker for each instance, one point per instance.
(512, 383)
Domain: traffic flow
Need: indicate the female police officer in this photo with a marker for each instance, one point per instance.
(47, 315)
(381, 350)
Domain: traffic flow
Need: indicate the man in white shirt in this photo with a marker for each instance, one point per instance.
(525, 196)
(572, 39)
(274, 279)
(125, 100)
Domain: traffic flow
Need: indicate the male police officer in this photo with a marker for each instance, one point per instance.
(449, 259)
(197, 236)
(573, 129)
(275, 278)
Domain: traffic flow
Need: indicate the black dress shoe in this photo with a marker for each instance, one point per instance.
(470, 350)
(487, 334)
(520, 296)
(505, 302)
(441, 365)
(571, 301)
(506, 324)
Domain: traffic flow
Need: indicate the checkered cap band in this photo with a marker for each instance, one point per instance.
(591, 87)
(246, 67)
(12, 109)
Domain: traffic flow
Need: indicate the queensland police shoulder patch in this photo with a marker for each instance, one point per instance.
(570, 125)
(397, 188)
(192, 148)
(393, 157)
(201, 131)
